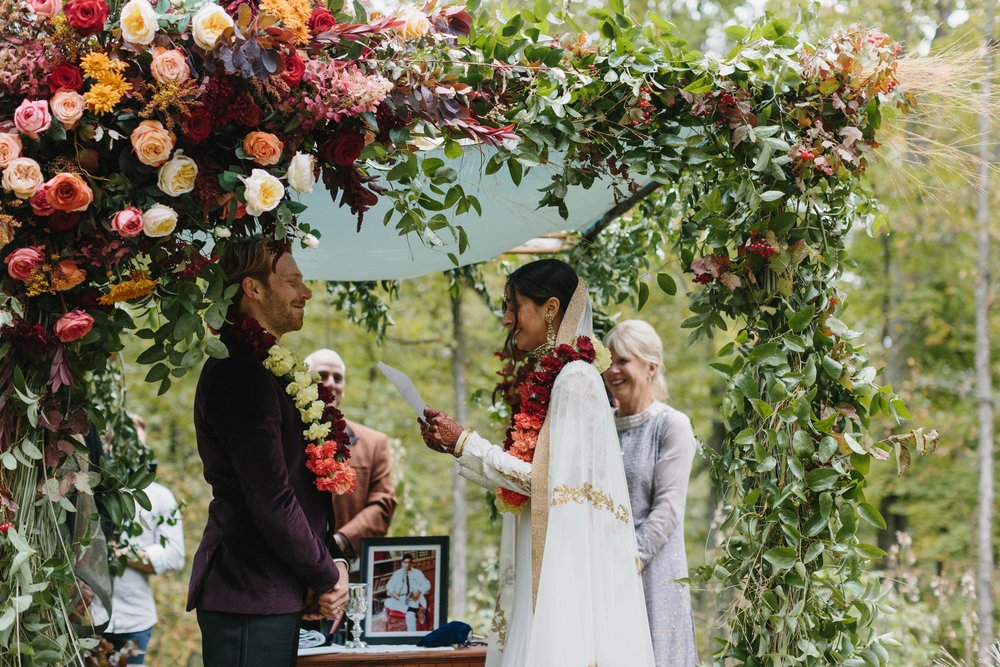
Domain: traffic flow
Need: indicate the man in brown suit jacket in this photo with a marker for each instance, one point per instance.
(368, 511)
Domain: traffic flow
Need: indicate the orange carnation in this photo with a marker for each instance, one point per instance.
(67, 275)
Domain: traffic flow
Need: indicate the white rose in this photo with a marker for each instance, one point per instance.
(139, 22)
(263, 192)
(208, 25)
(302, 173)
(159, 221)
(177, 176)
(222, 232)
(310, 241)
(317, 431)
(22, 176)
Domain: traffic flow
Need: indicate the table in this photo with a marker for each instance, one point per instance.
(466, 657)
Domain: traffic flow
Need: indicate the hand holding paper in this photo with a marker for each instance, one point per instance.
(404, 385)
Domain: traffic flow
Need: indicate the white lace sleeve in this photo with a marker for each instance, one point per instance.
(490, 466)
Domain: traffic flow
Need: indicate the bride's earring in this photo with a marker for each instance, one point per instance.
(549, 345)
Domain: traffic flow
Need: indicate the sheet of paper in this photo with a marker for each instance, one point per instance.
(404, 385)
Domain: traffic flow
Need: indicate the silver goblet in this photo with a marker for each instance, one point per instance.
(357, 608)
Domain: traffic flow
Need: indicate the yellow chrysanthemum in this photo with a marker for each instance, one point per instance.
(293, 14)
(98, 66)
(102, 98)
(138, 286)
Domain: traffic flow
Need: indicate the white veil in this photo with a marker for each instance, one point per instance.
(589, 604)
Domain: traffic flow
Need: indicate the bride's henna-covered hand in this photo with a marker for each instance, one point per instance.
(442, 428)
(425, 433)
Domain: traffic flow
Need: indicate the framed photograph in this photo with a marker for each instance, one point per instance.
(407, 581)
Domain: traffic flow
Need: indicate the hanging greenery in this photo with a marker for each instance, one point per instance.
(133, 136)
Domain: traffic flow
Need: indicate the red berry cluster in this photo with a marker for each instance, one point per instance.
(806, 155)
(644, 105)
(727, 98)
(825, 168)
(891, 87)
(592, 68)
(5, 526)
(761, 247)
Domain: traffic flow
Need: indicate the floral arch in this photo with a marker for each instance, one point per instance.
(131, 134)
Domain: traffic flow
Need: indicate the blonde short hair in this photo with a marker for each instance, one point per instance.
(638, 340)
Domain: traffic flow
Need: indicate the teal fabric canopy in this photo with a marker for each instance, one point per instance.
(510, 218)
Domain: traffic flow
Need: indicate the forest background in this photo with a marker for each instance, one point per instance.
(910, 292)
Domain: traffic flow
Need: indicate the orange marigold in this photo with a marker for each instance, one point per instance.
(293, 14)
(138, 286)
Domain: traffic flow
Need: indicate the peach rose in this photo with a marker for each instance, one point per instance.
(68, 192)
(40, 201)
(10, 148)
(30, 118)
(74, 324)
(127, 222)
(67, 275)
(46, 8)
(22, 177)
(152, 142)
(67, 107)
(263, 148)
(415, 22)
(170, 65)
(22, 262)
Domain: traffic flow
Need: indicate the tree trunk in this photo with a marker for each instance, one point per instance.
(984, 388)
(458, 540)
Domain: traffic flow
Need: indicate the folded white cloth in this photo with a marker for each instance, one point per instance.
(311, 639)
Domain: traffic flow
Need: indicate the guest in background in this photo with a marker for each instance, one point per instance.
(155, 547)
(407, 591)
(367, 512)
(658, 447)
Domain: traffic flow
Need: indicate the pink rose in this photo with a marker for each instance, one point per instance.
(128, 223)
(46, 8)
(40, 203)
(22, 262)
(169, 65)
(32, 117)
(68, 107)
(74, 324)
(10, 148)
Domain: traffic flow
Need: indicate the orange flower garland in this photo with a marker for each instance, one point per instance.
(530, 411)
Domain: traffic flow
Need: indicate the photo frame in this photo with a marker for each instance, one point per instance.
(405, 600)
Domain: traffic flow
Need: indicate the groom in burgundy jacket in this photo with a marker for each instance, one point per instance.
(264, 561)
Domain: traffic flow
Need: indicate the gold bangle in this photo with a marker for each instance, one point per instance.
(460, 445)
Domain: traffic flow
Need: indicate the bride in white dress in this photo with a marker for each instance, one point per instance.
(570, 587)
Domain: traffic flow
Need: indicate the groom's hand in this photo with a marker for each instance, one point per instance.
(331, 603)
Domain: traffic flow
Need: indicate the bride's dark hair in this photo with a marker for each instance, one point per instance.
(539, 281)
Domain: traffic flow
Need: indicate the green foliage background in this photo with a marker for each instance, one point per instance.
(916, 286)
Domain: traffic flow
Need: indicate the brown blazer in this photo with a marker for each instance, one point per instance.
(368, 511)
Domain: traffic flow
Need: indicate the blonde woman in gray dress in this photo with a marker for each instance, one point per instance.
(658, 447)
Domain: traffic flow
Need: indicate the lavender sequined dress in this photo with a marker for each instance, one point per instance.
(658, 447)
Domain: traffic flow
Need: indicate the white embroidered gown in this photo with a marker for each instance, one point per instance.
(590, 608)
